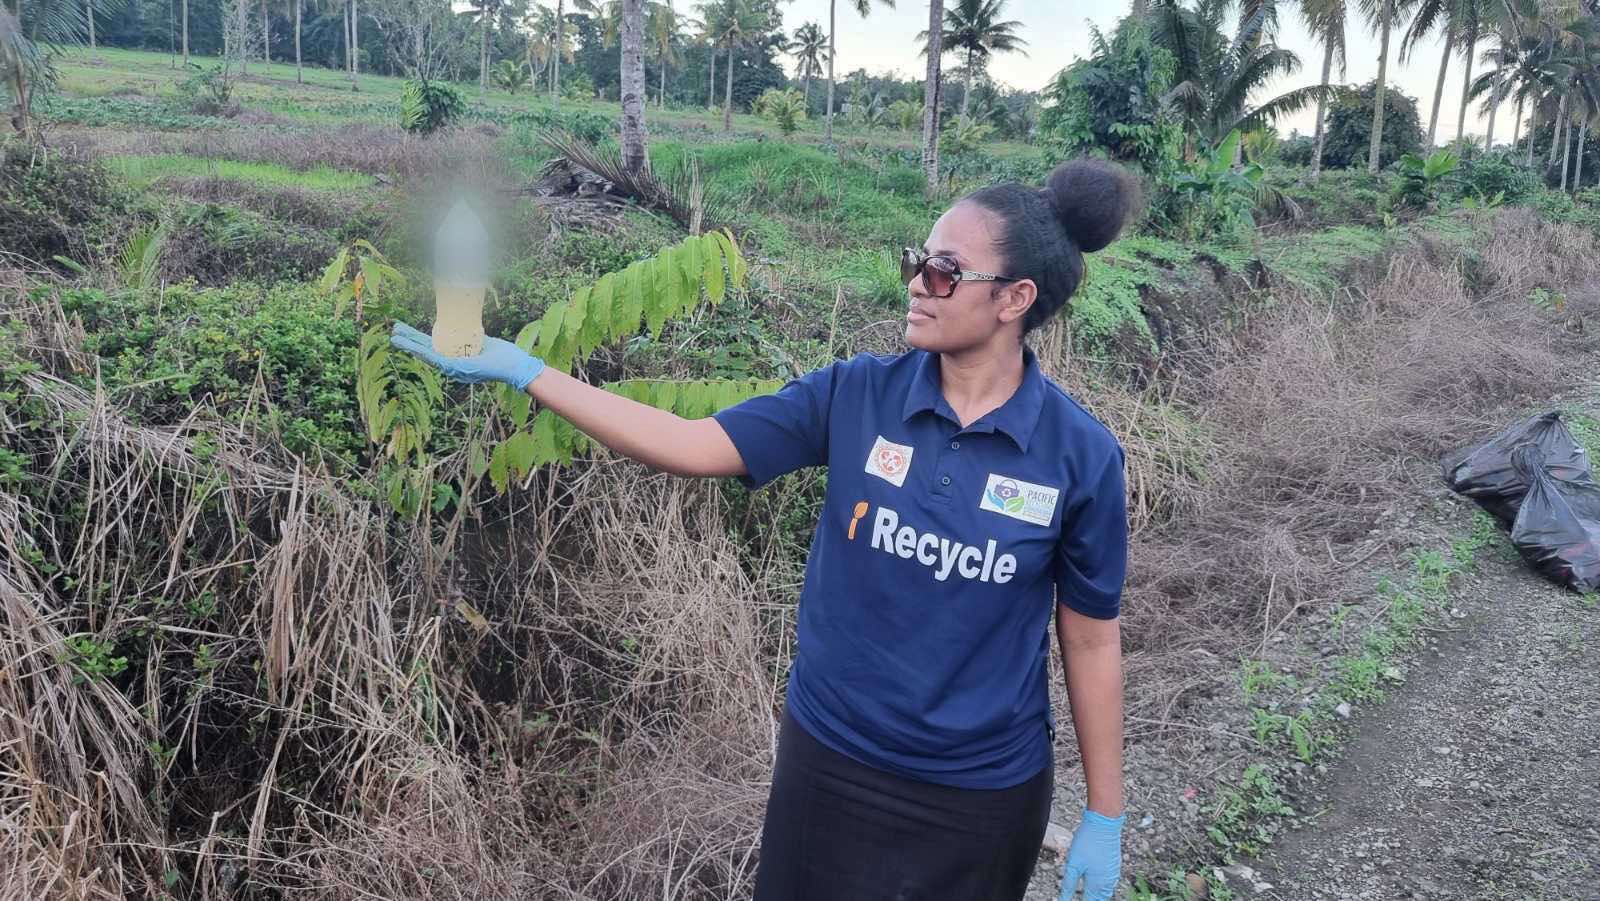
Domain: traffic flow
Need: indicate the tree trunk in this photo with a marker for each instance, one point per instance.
(347, 48)
(266, 34)
(483, 53)
(1374, 153)
(1322, 115)
(930, 96)
(833, 21)
(727, 99)
(711, 90)
(1533, 126)
(555, 62)
(1566, 151)
(1516, 127)
(661, 94)
(1555, 139)
(1466, 87)
(89, 8)
(1438, 91)
(299, 78)
(242, 26)
(1583, 139)
(1494, 112)
(186, 34)
(634, 157)
(355, 44)
(966, 88)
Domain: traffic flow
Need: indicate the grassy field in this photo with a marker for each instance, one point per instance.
(289, 617)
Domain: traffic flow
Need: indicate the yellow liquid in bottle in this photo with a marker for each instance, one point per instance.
(458, 319)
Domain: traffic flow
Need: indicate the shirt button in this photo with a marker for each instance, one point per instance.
(945, 480)
(955, 445)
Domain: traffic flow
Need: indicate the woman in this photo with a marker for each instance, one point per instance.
(965, 491)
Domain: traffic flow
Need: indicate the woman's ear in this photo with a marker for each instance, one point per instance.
(1015, 299)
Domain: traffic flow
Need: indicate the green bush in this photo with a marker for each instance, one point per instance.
(1349, 139)
(56, 203)
(207, 92)
(588, 126)
(1421, 179)
(427, 106)
(1494, 175)
(214, 245)
(163, 353)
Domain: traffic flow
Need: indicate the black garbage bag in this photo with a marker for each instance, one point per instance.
(1557, 529)
(1485, 474)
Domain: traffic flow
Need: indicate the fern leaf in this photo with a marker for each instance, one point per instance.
(334, 272)
(738, 272)
(711, 250)
(690, 269)
(544, 438)
(499, 463)
(550, 329)
(629, 307)
(598, 322)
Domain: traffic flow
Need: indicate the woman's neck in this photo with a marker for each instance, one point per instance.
(978, 381)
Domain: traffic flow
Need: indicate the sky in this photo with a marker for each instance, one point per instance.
(1057, 32)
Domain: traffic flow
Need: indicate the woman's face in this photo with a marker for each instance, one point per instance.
(973, 315)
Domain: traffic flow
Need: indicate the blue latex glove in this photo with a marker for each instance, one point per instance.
(1095, 857)
(499, 361)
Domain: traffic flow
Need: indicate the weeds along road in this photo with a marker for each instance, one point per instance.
(1480, 778)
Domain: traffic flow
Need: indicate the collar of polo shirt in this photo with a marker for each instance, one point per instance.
(1016, 418)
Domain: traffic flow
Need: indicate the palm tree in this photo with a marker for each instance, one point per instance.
(1380, 15)
(1325, 19)
(634, 157)
(732, 23)
(1216, 75)
(483, 14)
(862, 7)
(1472, 20)
(1433, 15)
(807, 48)
(930, 95)
(973, 27)
(663, 24)
(25, 58)
(299, 6)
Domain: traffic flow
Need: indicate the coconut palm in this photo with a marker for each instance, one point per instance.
(974, 27)
(483, 13)
(862, 8)
(1216, 75)
(1381, 16)
(1434, 17)
(930, 95)
(1325, 19)
(807, 48)
(663, 26)
(732, 24)
(634, 156)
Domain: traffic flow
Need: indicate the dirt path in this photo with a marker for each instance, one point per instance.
(1480, 777)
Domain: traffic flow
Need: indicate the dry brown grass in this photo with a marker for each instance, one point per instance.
(609, 734)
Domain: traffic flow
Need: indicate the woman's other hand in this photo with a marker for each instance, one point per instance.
(499, 361)
(1095, 856)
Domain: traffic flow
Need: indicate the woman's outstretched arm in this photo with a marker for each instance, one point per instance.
(657, 438)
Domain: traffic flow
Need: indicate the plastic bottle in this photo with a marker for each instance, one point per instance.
(460, 278)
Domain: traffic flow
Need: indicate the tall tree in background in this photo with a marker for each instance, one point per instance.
(299, 5)
(185, 21)
(930, 96)
(974, 27)
(731, 24)
(1433, 16)
(663, 22)
(266, 33)
(807, 48)
(634, 157)
(1325, 19)
(483, 14)
(1381, 16)
(1471, 21)
(862, 8)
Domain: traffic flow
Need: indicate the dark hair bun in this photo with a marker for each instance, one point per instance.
(1092, 200)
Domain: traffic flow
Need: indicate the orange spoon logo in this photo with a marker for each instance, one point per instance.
(860, 511)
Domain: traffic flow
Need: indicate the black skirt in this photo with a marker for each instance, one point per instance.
(838, 830)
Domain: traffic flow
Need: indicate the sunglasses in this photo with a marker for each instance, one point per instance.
(941, 273)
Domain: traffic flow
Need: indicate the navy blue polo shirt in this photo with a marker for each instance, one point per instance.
(925, 617)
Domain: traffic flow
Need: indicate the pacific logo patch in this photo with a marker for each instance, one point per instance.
(1019, 500)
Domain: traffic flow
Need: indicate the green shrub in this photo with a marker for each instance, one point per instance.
(55, 203)
(1494, 175)
(215, 245)
(588, 126)
(1421, 179)
(207, 92)
(787, 108)
(163, 353)
(427, 106)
